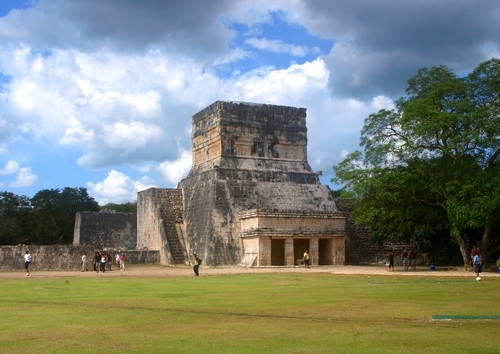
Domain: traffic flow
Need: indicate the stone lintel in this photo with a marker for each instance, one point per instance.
(292, 233)
(253, 213)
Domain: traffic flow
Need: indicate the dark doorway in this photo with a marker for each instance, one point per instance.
(277, 252)
(325, 251)
(299, 247)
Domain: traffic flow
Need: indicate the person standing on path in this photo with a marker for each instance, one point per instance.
(477, 264)
(413, 259)
(406, 260)
(97, 261)
(117, 260)
(197, 262)
(84, 262)
(103, 262)
(306, 259)
(122, 261)
(390, 254)
(27, 262)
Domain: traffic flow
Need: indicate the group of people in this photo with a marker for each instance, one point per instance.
(103, 261)
(409, 260)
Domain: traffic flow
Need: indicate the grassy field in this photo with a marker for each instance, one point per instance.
(248, 313)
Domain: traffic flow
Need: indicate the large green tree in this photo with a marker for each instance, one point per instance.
(438, 149)
(15, 218)
(55, 212)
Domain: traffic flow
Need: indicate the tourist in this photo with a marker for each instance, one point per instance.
(473, 252)
(97, 261)
(27, 262)
(406, 260)
(390, 255)
(477, 264)
(84, 262)
(109, 261)
(306, 259)
(413, 259)
(197, 262)
(117, 260)
(122, 261)
(103, 262)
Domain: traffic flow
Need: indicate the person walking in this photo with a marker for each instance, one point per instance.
(84, 262)
(197, 262)
(306, 259)
(27, 262)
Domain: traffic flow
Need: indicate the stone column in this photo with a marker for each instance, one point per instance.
(290, 261)
(314, 251)
(338, 250)
(265, 251)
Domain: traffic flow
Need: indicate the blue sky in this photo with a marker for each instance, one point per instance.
(100, 93)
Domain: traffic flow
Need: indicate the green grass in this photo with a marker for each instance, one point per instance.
(248, 313)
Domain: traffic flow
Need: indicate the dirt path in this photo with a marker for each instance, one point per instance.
(164, 271)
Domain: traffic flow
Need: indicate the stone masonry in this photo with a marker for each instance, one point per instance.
(160, 224)
(105, 229)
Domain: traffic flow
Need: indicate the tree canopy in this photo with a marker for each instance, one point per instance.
(47, 218)
(431, 164)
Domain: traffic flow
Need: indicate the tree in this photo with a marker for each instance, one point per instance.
(55, 211)
(15, 221)
(123, 208)
(438, 148)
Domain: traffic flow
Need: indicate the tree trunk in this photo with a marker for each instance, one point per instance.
(485, 242)
(464, 248)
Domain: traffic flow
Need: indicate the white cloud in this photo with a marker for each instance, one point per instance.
(277, 46)
(129, 136)
(10, 168)
(174, 171)
(117, 188)
(25, 178)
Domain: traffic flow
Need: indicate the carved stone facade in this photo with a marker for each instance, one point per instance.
(250, 198)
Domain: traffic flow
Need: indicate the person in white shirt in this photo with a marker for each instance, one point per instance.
(117, 260)
(27, 262)
(84, 262)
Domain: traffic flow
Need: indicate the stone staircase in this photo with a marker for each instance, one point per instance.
(176, 248)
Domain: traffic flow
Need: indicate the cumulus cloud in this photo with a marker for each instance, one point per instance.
(10, 168)
(117, 188)
(277, 46)
(174, 171)
(25, 178)
(378, 45)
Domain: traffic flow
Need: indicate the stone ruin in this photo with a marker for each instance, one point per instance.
(251, 197)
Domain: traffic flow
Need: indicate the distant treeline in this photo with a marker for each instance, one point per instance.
(49, 217)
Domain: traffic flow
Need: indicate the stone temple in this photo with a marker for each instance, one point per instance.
(251, 197)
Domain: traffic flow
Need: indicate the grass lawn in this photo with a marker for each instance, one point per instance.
(248, 313)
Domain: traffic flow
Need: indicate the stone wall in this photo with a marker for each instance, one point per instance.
(361, 250)
(105, 229)
(66, 257)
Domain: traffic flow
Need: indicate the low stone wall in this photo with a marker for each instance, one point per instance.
(67, 257)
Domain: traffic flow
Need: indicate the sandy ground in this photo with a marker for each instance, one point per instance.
(164, 271)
